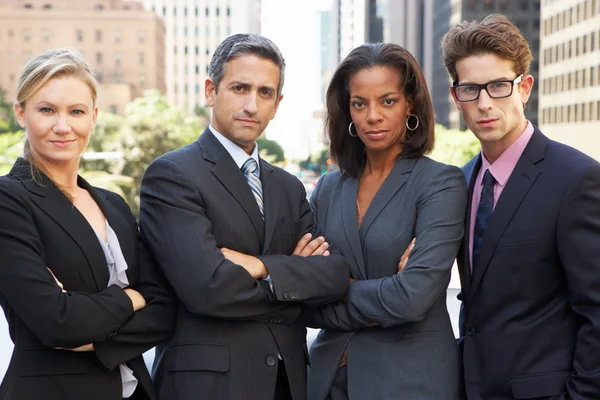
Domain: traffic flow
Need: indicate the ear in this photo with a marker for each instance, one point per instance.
(209, 92)
(457, 103)
(94, 116)
(276, 105)
(525, 88)
(20, 114)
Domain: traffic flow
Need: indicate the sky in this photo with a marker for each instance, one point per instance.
(293, 26)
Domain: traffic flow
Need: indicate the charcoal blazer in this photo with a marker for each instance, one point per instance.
(230, 327)
(411, 353)
(530, 323)
(40, 228)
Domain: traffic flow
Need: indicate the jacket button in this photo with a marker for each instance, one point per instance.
(471, 331)
(271, 361)
(294, 296)
(285, 296)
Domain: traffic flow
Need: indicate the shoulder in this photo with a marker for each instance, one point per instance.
(569, 159)
(187, 155)
(425, 166)
(11, 187)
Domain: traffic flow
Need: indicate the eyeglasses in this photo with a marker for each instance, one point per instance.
(494, 89)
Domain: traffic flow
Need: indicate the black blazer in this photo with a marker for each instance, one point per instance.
(231, 327)
(531, 318)
(41, 229)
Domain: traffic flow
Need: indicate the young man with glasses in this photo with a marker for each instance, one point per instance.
(530, 259)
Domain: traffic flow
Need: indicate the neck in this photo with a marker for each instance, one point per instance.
(379, 164)
(64, 175)
(493, 150)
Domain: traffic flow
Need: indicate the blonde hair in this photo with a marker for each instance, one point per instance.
(51, 64)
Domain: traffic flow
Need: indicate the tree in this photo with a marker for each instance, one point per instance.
(8, 123)
(150, 128)
(270, 150)
(453, 146)
(11, 147)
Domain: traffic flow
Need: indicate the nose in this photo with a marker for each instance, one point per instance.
(484, 102)
(373, 116)
(61, 126)
(251, 107)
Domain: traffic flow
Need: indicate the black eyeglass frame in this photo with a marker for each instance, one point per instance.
(484, 86)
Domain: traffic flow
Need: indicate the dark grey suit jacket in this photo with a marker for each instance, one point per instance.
(412, 353)
(231, 327)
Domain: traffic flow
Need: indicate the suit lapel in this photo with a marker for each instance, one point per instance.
(519, 183)
(54, 203)
(350, 221)
(119, 224)
(272, 186)
(392, 184)
(470, 170)
(232, 178)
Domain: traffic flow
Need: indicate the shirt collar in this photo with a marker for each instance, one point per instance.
(235, 151)
(503, 167)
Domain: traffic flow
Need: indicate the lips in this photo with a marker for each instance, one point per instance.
(378, 134)
(487, 122)
(246, 121)
(62, 143)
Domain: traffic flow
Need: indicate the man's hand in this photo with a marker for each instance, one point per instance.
(86, 347)
(60, 285)
(253, 265)
(404, 258)
(315, 247)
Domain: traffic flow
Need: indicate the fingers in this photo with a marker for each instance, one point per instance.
(404, 258)
(60, 285)
(321, 250)
(302, 244)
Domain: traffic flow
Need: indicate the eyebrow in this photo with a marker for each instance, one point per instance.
(493, 80)
(381, 97)
(236, 83)
(41, 103)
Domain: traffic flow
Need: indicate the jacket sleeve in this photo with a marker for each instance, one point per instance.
(578, 238)
(178, 234)
(309, 280)
(407, 296)
(146, 327)
(58, 319)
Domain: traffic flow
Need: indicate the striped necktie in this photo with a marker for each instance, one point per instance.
(250, 170)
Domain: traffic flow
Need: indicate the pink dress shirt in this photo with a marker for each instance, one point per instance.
(501, 170)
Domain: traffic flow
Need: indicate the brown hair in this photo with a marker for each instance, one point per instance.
(347, 151)
(56, 63)
(495, 34)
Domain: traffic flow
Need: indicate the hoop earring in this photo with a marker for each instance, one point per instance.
(416, 125)
(350, 129)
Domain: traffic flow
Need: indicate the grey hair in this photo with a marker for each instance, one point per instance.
(243, 44)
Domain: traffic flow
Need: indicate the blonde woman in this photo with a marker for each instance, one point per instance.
(82, 297)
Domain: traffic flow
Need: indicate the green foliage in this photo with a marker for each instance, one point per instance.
(453, 146)
(11, 147)
(150, 128)
(317, 161)
(8, 123)
(270, 150)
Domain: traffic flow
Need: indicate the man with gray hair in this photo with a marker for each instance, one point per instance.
(232, 234)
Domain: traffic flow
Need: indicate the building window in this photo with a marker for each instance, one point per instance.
(98, 36)
(46, 35)
(79, 35)
(174, 11)
(117, 36)
(142, 80)
(141, 36)
(228, 11)
(196, 11)
(99, 58)
(164, 13)
(26, 35)
(218, 11)
(206, 11)
(524, 5)
(47, 6)
(28, 5)
(99, 77)
(197, 69)
(99, 7)
(185, 11)
(112, 108)
(118, 78)
(118, 59)
(197, 50)
(142, 58)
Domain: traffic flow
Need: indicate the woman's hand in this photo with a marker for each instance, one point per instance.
(315, 247)
(404, 258)
(136, 298)
(60, 285)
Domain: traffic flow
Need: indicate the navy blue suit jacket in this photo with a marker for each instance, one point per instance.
(531, 313)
